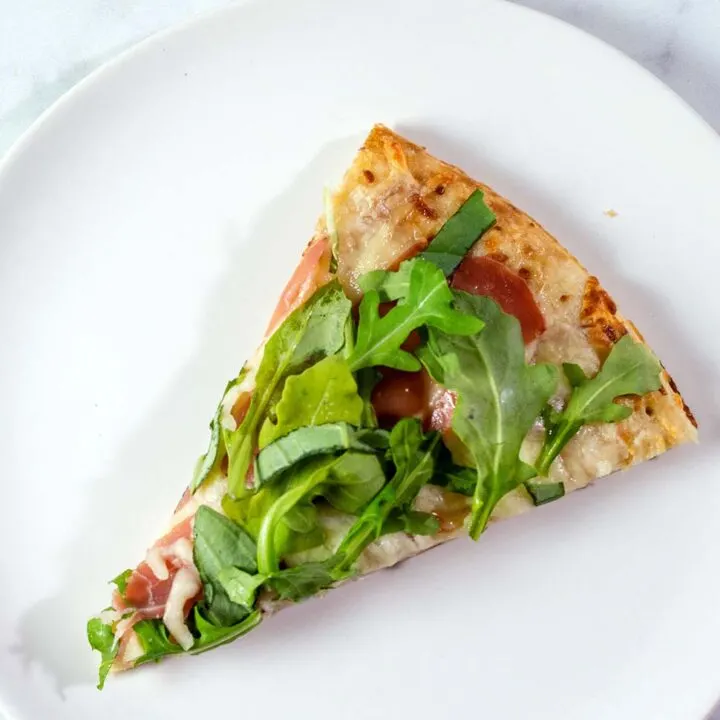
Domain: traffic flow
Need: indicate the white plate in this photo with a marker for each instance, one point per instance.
(147, 224)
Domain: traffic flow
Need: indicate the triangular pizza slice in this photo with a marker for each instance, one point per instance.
(437, 362)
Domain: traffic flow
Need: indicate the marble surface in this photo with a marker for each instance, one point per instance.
(46, 46)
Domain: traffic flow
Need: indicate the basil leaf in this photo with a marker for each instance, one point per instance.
(499, 397)
(316, 328)
(240, 586)
(545, 492)
(219, 543)
(413, 455)
(630, 369)
(308, 442)
(324, 393)
(101, 638)
(460, 233)
(428, 302)
(303, 581)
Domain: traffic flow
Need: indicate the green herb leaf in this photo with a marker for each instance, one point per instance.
(212, 636)
(121, 581)
(157, 643)
(428, 302)
(367, 378)
(388, 285)
(101, 638)
(316, 328)
(309, 442)
(413, 455)
(324, 393)
(545, 492)
(240, 586)
(459, 233)
(302, 486)
(499, 397)
(303, 581)
(220, 543)
(630, 369)
(356, 479)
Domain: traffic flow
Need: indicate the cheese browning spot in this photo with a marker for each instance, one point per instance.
(440, 190)
(369, 176)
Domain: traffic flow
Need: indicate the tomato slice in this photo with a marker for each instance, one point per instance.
(485, 276)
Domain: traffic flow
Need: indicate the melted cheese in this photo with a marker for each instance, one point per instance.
(186, 585)
(156, 562)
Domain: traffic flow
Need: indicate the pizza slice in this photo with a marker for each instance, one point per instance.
(437, 362)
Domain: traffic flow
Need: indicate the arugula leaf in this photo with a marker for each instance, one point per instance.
(324, 393)
(316, 328)
(412, 522)
(428, 302)
(220, 543)
(101, 638)
(302, 486)
(311, 441)
(240, 586)
(414, 457)
(545, 492)
(499, 397)
(157, 643)
(121, 581)
(630, 369)
(216, 450)
(367, 378)
(303, 581)
(389, 285)
(212, 636)
(356, 479)
(460, 233)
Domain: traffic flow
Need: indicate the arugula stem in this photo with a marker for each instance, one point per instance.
(553, 446)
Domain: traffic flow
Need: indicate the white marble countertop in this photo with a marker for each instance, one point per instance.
(46, 46)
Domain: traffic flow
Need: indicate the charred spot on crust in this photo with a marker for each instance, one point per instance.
(369, 176)
(597, 317)
(649, 411)
(686, 409)
(524, 273)
(564, 298)
(422, 207)
(440, 189)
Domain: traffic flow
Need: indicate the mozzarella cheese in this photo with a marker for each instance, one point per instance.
(186, 585)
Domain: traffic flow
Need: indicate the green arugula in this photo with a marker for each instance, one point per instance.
(316, 328)
(460, 233)
(121, 581)
(499, 398)
(389, 285)
(313, 440)
(303, 581)
(216, 450)
(240, 586)
(157, 643)
(324, 393)
(629, 369)
(219, 543)
(102, 638)
(428, 301)
(413, 455)
(349, 482)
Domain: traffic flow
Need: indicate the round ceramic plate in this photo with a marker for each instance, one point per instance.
(148, 222)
